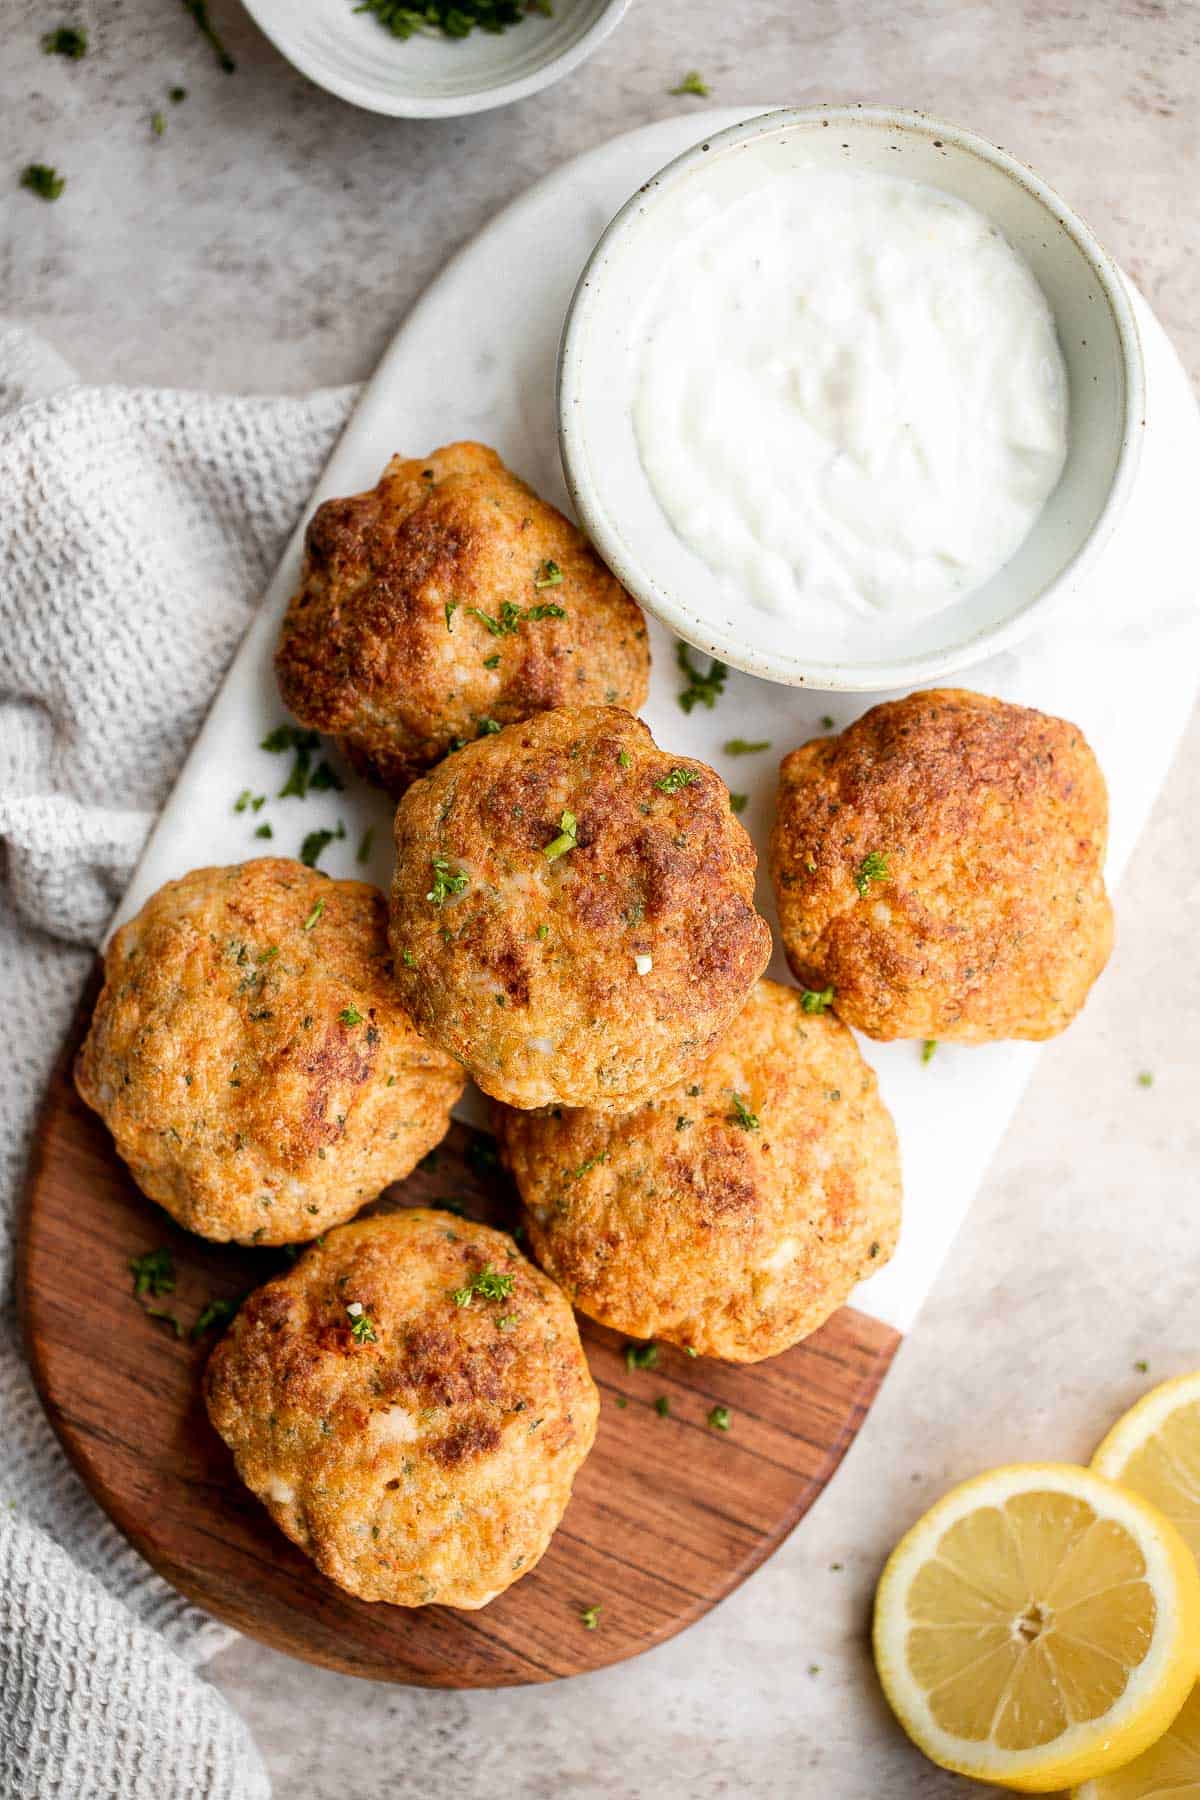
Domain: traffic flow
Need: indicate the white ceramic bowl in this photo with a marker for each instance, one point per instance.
(597, 377)
(430, 76)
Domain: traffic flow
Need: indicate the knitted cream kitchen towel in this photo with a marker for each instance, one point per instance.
(137, 531)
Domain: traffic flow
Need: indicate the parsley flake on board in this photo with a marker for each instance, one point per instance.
(927, 1049)
(153, 1273)
(43, 181)
(741, 1115)
(362, 854)
(718, 1418)
(445, 885)
(740, 746)
(662, 1406)
(264, 831)
(678, 778)
(812, 1001)
(702, 689)
(317, 842)
(589, 1616)
(1145, 1079)
(873, 867)
(641, 1356)
(692, 83)
(488, 1284)
(158, 123)
(212, 1314)
(567, 839)
(738, 802)
(70, 41)
(208, 31)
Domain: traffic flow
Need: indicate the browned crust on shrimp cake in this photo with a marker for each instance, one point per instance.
(262, 1079)
(733, 1213)
(992, 919)
(446, 600)
(526, 966)
(417, 1438)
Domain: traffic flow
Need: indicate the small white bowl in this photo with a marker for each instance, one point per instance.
(429, 76)
(597, 375)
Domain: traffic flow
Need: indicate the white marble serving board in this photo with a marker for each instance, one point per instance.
(476, 359)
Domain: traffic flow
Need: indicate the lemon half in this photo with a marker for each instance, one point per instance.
(1155, 1450)
(1038, 1627)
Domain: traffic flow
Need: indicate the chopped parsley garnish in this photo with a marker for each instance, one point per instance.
(325, 779)
(264, 831)
(740, 746)
(407, 958)
(43, 181)
(662, 1406)
(361, 1328)
(567, 839)
(741, 1115)
(208, 31)
(827, 721)
(873, 867)
(488, 727)
(363, 852)
(585, 1168)
(450, 609)
(488, 1284)
(927, 1049)
(1142, 1366)
(445, 885)
(492, 662)
(350, 1015)
(589, 1616)
(303, 743)
(246, 799)
(213, 1313)
(313, 916)
(738, 802)
(641, 1356)
(678, 778)
(177, 95)
(168, 1318)
(812, 1001)
(682, 1123)
(505, 625)
(153, 1273)
(158, 123)
(508, 1321)
(549, 575)
(692, 83)
(317, 842)
(70, 41)
(624, 759)
(1145, 1079)
(452, 18)
(718, 1418)
(702, 689)
(547, 609)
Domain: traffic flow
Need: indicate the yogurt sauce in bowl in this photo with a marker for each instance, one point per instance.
(850, 395)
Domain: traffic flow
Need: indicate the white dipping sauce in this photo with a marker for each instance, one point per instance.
(850, 395)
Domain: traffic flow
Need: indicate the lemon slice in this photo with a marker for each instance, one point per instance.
(1038, 1627)
(1155, 1450)
(1170, 1768)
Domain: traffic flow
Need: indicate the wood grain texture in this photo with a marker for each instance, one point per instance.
(668, 1514)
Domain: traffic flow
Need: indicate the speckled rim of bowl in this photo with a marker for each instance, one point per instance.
(397, 104)
(857, 677)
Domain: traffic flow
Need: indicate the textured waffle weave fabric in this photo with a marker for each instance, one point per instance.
(138, 529)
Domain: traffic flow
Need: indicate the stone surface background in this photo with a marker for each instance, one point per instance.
(272, 239)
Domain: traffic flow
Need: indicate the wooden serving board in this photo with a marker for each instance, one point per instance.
(668, 1515)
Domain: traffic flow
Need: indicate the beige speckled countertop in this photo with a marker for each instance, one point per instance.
(272, 239)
